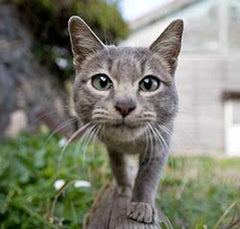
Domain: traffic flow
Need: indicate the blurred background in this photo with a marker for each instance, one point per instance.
(43, 184)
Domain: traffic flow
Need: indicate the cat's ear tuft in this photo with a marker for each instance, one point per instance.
(168, 44)
(83, 40)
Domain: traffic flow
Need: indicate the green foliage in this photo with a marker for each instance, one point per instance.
(47, 20)
(30, 166)
(198, 192)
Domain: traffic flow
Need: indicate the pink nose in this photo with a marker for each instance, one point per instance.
(125, 107)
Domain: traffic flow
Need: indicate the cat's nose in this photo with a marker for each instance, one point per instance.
(125, 107)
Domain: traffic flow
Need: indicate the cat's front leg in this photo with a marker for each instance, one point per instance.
(142, 206)
(118, 164)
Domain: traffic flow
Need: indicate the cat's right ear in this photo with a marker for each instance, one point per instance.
(83, 40)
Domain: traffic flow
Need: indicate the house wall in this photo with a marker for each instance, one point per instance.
(201, 81)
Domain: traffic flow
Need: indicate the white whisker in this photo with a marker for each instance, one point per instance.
(89, 138)
(60, 127)
(165, 129)
(168, 132)
(160, 137)
(95, 136)
(82, 129)
(65, 108)
(83, 139)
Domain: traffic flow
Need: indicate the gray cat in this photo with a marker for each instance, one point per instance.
(127, 96)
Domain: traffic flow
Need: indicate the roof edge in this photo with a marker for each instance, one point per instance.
(160, 13)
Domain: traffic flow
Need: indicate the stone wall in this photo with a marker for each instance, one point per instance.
(26, 87)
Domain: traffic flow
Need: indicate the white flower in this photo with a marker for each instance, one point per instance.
(82, 183)
(62, 142)
(58, 184)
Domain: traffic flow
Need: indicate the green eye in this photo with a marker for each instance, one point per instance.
(101, 82)
(149, 83)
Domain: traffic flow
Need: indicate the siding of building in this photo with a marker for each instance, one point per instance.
(202, 80)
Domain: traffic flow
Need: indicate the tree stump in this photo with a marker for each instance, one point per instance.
(109, 211)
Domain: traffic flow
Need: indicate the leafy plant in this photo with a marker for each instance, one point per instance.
(29, 168)
(47, 21)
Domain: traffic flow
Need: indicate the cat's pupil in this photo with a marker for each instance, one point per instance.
(103, 81)
(147, 83)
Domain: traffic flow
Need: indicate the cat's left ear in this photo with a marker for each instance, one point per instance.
(83, 40)
(168, 44)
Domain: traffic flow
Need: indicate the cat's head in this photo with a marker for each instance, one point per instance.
(124, 88)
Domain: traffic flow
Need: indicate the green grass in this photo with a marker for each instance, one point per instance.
(195, 192)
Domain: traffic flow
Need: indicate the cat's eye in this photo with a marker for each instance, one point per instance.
(101, 82)
(149, 83)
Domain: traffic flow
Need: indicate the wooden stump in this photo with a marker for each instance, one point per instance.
(110, 212)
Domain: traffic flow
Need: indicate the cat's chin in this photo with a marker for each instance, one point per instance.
(123, 132)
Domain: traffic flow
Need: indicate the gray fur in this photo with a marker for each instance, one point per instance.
(147, 128)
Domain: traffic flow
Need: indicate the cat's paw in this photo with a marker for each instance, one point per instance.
(142, 212)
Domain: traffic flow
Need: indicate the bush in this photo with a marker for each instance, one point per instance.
(29, 169)
(47, 21)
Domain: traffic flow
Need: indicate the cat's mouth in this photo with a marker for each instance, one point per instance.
(123, 123)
